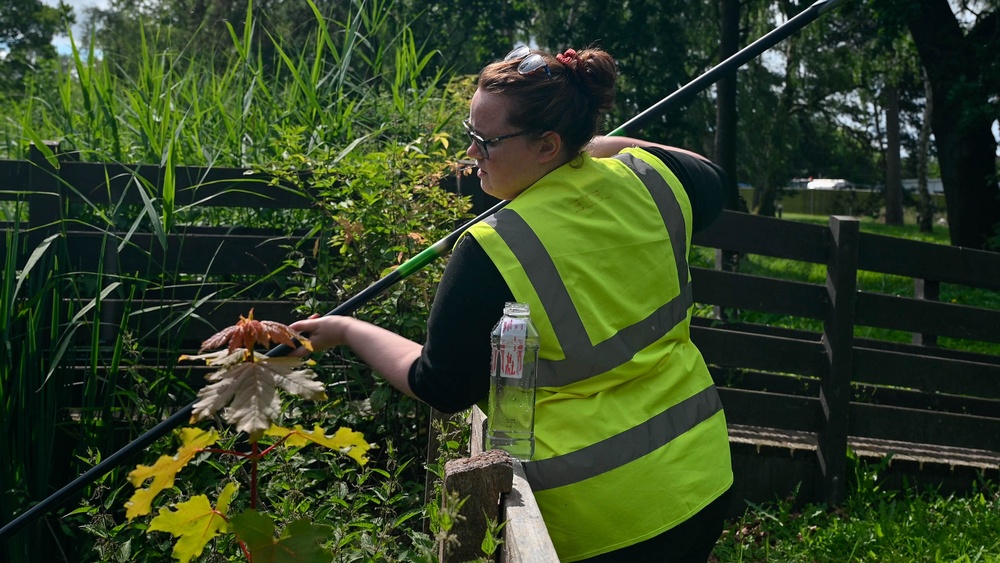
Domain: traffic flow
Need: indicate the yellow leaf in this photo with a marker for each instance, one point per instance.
(344, 440)
(194, 522)
(164, 470)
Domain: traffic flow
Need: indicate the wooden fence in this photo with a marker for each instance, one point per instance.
(797, 401)
(174, 288)
(921, 400)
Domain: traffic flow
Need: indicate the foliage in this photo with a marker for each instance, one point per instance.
(346, 79)
(26, 51)
(194, 521)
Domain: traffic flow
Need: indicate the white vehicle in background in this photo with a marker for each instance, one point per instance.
(829, 184)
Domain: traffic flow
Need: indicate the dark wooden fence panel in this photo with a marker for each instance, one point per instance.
(198, 251)
(914, 259)
(741, 232)
(927, 373)
(177, 289)
(928, 317)
(770, 410)
(835, 386)
(742, 291)
(925, 427)
(106, 184)
(728, 348)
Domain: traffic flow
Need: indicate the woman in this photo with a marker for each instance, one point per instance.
(631, 456)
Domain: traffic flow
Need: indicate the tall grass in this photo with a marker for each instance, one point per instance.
(355, 78)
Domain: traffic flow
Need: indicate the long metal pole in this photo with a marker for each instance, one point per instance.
(738, 59)
(417, 262)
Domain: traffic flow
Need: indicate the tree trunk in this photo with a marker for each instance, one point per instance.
(893, 173)
(725, 109)
(962, 118)
(925, 216)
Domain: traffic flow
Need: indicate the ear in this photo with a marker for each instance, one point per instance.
(549, 147)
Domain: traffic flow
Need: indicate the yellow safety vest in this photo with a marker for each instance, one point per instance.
(630, 436)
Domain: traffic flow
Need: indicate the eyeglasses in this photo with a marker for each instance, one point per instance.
(483, 144)
(531, 63)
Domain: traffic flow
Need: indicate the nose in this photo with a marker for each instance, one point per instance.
(474, 152)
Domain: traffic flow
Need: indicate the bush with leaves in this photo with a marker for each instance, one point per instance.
(376, 206)
(244, 391)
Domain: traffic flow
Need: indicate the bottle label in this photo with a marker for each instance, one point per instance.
(512, 338)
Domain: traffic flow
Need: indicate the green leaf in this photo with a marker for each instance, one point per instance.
(300, 541)
(195, 522)
(36, 255)
(162, 473)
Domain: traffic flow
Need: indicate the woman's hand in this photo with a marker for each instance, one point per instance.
(388, 353)
(323, 332)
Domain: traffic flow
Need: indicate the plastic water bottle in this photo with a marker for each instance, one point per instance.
(514, 367)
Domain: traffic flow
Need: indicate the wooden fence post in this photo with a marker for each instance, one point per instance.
(838, 339)
(478, 481)
(45, 213)
(45, 203)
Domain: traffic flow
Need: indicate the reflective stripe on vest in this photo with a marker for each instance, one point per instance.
(589, 360)
(625, 447)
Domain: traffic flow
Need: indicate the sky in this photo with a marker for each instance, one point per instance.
(62, 41)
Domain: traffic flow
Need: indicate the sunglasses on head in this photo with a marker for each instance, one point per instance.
(531, 62)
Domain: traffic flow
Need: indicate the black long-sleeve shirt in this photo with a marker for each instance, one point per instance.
(453, 371)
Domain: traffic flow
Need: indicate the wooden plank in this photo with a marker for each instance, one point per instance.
(13, 179)
(921, 400)
(928, 352)
(769, 295)
(753, 328)
(204, 320)
(949, 264)
(203, 254)
(767, 236)
(772, 410)
(929, 374)
(525, 537)
(926, 427)
(754, 380)
(729, 348)
(207, 187)
(927, 317)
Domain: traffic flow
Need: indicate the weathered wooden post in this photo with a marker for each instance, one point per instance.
(478, 482)
(838, 340)
(45, 214)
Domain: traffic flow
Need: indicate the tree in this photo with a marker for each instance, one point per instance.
(727, 117)
(659, 45)
(963, 67)
(26, 31)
